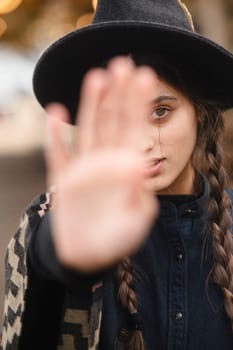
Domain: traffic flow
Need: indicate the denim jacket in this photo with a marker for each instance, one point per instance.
(180, 310)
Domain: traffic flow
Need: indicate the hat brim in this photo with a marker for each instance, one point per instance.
(59, 72)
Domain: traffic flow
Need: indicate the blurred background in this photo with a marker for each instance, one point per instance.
(27, 27)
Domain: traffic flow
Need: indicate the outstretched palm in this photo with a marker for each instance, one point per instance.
(102, 211)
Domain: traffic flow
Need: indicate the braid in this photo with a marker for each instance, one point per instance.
(220, 220)
(130, 339)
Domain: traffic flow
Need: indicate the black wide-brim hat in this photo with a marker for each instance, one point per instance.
(122, 27)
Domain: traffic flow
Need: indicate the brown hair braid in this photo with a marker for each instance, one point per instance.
(210, 162)
(133, 339)
(219, 205)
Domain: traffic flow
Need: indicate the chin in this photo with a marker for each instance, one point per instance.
(157, 185)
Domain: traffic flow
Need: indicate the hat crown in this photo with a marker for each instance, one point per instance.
(169, 12)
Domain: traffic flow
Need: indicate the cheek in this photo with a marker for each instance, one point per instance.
(180, 131)
(179, 136)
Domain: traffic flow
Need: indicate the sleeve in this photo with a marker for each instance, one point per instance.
(46, 264)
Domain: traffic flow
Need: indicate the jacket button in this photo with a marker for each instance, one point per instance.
(190, 211)
(178, 316)
(179, 256)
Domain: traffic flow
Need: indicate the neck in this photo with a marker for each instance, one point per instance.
(185, 184)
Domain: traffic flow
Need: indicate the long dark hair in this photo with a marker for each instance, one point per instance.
(207, 158)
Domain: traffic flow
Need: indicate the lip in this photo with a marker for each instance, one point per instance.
(154, 166)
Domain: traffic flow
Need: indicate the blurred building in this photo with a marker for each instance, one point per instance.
(26, 28)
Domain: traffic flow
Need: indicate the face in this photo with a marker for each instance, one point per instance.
(169, 140)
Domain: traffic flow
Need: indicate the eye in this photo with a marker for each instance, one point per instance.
(160, 113)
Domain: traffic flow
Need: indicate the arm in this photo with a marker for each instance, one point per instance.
(45, 263)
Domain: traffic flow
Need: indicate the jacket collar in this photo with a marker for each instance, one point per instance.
(189, 206)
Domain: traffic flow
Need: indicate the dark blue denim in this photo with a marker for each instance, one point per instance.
(181, 308)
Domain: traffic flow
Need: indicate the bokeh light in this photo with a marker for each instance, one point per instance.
(94, 4)
(7, 6)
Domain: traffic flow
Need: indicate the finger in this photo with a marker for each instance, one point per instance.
(111, 111)
(56, 153)
(142, 88)
(94, 87)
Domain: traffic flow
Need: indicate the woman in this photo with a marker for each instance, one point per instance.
(101, 263)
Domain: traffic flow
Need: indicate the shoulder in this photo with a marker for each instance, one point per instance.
(29, 222)
(40, 204)
(36, 210)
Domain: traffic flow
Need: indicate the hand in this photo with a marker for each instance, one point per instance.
(102, 211)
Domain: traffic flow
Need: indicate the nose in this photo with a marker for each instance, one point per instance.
(150, 139)
(147, 145)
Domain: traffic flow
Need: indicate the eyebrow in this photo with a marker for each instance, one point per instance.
(160, 99)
